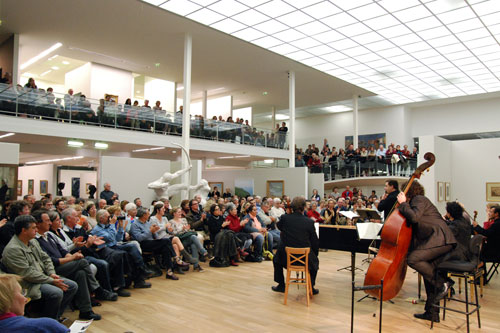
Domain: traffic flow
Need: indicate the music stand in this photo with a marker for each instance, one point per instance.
(341, 238)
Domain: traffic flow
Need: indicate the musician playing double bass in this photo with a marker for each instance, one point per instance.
(432, 239)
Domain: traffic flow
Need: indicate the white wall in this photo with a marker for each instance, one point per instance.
(315, 181)
(85, 177)
(110, 80)
(79, 80)
(474, 163)
(295, 179)
(9, 153)
(37, 173)
(160, 90)
(129, 177)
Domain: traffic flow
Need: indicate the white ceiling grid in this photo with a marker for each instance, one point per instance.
(404, 51)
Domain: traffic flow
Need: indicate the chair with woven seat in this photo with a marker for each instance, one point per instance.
(298, 261)
(468, 270)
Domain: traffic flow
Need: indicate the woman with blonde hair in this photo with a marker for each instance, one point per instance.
(12, 302)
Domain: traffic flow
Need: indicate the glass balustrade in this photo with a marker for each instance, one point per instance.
(77, 109)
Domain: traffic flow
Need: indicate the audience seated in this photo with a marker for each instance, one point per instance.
(223, 238)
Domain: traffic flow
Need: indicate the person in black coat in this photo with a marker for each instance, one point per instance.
(389, 199)
(491, 250)
(461, 229)
(297, 230)
(431, 241)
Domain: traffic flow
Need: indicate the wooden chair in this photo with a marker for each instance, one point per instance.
(298, 261)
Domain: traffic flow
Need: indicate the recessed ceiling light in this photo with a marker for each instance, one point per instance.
(101, 145)
(55, 160)
(75, 143)
(41, 55)
(6, 135)
(55, 68)
(65, 62)
(268, 161)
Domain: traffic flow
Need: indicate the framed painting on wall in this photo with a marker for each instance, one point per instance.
(44, 185)
(440, 191)
(113, 98)
(447, 193)
(275, 188)
(19, 188)
(30, 186)
(220, 186)
(492, 191)
(243, 187)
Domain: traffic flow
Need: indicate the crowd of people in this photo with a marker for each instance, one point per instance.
(79, 252)
(362, 161)
(34, 102)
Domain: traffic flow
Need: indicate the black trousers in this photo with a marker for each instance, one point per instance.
(425, 261)
(118, 265)
(162, 247)
(76, 271)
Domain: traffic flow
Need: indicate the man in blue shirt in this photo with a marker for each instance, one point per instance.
(144, 232)
(113, 239)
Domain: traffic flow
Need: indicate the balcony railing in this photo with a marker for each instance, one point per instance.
(77, 109)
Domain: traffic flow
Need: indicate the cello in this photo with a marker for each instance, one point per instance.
(389, 265)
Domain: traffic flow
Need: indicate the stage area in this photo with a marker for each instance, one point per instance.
(239, 299)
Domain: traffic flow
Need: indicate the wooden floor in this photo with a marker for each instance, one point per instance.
(239, 299)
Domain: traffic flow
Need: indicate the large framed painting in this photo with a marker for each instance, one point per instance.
(493, 192)
(30, 186)
(19, 188)
(44, 185)
(275, 188)
(243, 187)
(440, 191)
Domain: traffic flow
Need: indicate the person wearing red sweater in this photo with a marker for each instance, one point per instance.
(313, 213)
(347, 192)
(244, 240)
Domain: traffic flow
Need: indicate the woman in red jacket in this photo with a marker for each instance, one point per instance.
(244, 240)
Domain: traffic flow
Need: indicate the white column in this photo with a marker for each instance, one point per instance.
(204, 105)
(15, 61)
(186, 117)
(175, 96)
(273, 117)
(232, 99)
(291, 123)
(355, 120)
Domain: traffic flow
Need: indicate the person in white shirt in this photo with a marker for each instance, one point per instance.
(276, 211)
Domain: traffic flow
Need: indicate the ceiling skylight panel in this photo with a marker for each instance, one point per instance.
(334, 56)
(476, 43)
(395, 31)
(432, 64)
(346, 63)
(392, 52)
(487, 7)
(488, 57)
(438, 7)
(417, 69)
(487, 49)
(343, 44)
(295, 18)
(249, 34)
(305, 43)
(367, 12)
(401, 59)
(457, 15)
(424, 24)
(284, 49)
(492, 63)
(412, 14)
(434, 33)
(368, 57)
(350, 4)
(313, 28)
(321, 10)
(338, 20)
(155, 2)
(299, 55)
(205, 16)
(228, 7)
(452, 48)
(379, 63)
(448, 71)
(251, 17)
(443, 41)
(471, 67)
(491, 19)
(380, 45)
(466, 25)
(228, 26)
(406, 39)
(359, 68)
(367, 38)
(381, 22)
(415, 47)
(204, 3)
(267, 42)
(338, 71)
(395, 5)
(354, 29)
(314, 61)
(180, 7)
(466, 61)
(414, 65)
(275, 8)
(289, 35)
(325, 67)
(495, 29)
(302, 3)
(356, 51)
(455, 56)
(329, 36)
(270, 27)
(320, 50)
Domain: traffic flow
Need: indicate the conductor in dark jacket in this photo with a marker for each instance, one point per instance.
(389, 199)
(431, 240)
(297, 230)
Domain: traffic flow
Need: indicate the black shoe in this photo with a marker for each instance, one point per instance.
(171, 276)
(105, 295)
(123, 293)
(315, 291)
(279, 288)
(89, 315)
(94, 302)
(142, 284)
(427, 316)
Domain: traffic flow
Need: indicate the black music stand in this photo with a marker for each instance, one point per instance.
(341, 238)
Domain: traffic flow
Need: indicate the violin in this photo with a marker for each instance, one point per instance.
(390, 265)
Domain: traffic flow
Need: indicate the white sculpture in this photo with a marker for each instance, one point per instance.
(163, 188)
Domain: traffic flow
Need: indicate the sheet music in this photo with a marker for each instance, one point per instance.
(349, 214)
(316, 227)
(369, 230)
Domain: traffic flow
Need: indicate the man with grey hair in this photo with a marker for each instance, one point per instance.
(108, 195)
(145, 232)
(113, 238)
(270, 223)
(276, 211)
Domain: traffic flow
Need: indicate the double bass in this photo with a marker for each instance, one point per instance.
(389, 265)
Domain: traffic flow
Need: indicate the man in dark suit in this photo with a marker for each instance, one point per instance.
(297, 230)
(389, 198)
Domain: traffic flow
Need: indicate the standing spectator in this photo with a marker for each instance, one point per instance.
(390, 197)
(282, 131)
(347, 193)
(108, 195)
